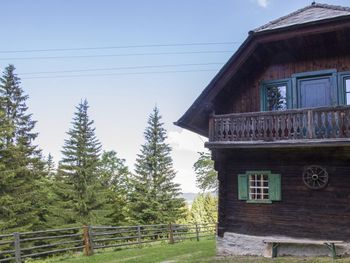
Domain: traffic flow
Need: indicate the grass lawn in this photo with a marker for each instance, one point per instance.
(189, 251)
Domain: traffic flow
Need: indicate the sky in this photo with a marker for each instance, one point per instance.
(125, 57)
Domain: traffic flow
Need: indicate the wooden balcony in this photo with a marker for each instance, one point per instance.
(326, 126)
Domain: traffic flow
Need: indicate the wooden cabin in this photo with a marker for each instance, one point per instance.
(277, 116)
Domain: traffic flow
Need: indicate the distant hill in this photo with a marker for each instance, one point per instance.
(189, 197)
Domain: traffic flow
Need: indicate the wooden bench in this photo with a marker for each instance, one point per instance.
(330, 244)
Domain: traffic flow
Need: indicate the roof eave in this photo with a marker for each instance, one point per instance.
(191, 128)
(194, 107)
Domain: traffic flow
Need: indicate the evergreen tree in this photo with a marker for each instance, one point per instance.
(204, 209)
(113, 173)
(50, 166)
(155, 197)
(114, 177)
(49, 186)
(21, 167)
(77, 184)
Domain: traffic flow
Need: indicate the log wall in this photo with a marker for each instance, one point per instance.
(302, 213)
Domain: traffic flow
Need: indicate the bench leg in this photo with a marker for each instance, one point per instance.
(331, 247)
(274, 249)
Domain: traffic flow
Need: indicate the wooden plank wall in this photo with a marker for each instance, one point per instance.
(278, 61)
(302, 213)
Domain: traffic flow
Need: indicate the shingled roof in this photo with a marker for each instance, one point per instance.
(311, 13)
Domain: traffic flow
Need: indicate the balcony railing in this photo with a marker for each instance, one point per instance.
(297, 125)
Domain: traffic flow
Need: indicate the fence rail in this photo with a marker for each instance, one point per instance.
(19, 246)
(298, 124)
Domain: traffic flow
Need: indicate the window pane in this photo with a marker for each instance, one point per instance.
(348, 98)
(258, 187)
(347, 85)
(277, 98)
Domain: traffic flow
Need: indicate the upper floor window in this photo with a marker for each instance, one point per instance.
(347, 90)
(344, 82)
(305, 90)
(275, 95)
(315, 89)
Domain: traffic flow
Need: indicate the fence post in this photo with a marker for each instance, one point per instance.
(139, 235)
(197, 232)
(86, 239)
(91, 240)
(171, 236)
(17, 247)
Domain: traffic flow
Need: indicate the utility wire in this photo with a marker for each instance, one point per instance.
(124, 73)
(118, 47)
(120, 68)
(122, 55)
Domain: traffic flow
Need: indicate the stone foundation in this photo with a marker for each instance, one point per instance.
(233, 244)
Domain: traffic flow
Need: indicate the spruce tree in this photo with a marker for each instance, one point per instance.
(155, 197)
(77, 184)
(50, 166)
(21, 167)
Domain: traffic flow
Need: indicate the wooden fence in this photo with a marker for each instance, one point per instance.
(17, 247)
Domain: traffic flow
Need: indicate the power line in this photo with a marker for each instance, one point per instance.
(123, 73)
(121, 68)
(118, 47)
(122, 55)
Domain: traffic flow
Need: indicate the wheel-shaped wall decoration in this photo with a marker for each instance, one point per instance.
(315, 177)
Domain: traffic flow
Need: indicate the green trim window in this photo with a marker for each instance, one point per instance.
(275, 95)
(259, 187)
(347, 90)
(344, 84)
(305, 90)
(301, 82)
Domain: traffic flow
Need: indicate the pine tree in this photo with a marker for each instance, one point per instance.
(77, 184)
(155, 197)
(21, 167)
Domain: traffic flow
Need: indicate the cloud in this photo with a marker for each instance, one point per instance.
(185, 140)
(263, 3)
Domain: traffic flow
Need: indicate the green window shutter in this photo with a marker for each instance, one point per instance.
(242, 187)
(275, 187)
